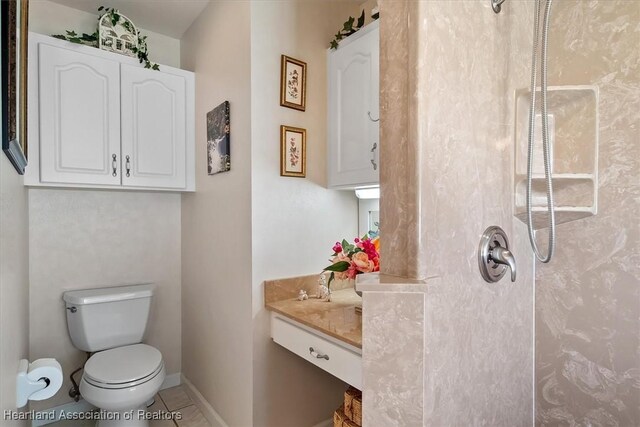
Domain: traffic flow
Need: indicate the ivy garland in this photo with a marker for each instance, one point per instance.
(92, 39)
(347, 30)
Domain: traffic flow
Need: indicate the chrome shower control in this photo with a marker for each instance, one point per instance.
(494, 256)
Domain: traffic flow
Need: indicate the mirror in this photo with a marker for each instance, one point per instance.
(14, 16)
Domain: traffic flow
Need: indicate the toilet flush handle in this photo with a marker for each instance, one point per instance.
(72, 309)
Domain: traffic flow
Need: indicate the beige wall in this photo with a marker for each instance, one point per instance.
(46, 17)
(588, 297)
(216, 220)
(87, 239)
(84, 238)
(295, 221)
(14, 283)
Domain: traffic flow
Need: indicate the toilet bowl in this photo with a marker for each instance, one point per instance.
(122, 374)
(120, 381)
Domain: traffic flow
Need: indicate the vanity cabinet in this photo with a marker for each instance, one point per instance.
(353, 110)
(101, 120)
(332, 355)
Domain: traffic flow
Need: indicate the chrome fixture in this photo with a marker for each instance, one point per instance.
(114, 164)
(373, 156)
(545, 132)
(128, 166)
(496, 5)
(317, 355)
(494, 256)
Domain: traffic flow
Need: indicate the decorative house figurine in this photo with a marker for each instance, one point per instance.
(116, 33)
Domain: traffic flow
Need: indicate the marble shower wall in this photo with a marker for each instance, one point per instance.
(588, 298)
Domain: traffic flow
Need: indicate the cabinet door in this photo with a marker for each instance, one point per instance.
(353, 112)
(153, 128)
(79, 117)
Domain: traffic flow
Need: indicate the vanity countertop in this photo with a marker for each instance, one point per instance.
(336, 318)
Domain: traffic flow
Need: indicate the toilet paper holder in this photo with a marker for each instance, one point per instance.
(31, 380)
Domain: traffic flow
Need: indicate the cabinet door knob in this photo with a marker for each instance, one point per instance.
(128, 166)
(114, 165)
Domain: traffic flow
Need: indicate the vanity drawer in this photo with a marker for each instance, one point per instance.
(338, 360)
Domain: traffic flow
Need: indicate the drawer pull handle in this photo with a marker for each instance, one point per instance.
(317, 355)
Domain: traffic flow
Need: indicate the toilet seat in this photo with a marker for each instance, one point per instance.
(123, 367)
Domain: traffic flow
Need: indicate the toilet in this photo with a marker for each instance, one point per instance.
(122, 374)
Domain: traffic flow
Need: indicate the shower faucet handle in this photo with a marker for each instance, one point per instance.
(503, 256)
(494, 256)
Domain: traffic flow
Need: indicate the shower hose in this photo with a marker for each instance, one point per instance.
(545, 132)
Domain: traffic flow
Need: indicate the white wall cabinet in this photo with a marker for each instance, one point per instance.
(79, 117)
(101, 120)
(153, 128)
(353, 110)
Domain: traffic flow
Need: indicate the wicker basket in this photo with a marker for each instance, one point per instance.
(341, 420)
(353, 405)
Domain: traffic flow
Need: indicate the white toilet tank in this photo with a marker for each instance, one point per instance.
(103, 318)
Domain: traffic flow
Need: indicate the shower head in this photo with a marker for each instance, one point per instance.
(496, 5)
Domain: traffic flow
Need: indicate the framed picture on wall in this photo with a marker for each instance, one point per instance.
(293, 83)
(293, 151)
(14, 15)
(219, 139)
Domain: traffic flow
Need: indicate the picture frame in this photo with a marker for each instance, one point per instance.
(219, 139)
(293, 151)
(14, 18)
(293, 83)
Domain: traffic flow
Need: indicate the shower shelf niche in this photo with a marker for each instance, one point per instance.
(573, 136)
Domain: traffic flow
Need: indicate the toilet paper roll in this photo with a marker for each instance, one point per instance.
(49, 370)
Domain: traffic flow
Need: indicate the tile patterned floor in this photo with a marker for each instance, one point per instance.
(173, 399)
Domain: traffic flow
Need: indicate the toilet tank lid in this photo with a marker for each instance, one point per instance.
(102, 295)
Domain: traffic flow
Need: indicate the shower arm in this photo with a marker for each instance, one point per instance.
(496, 5)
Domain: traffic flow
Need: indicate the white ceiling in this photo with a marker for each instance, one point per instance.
(168, 17)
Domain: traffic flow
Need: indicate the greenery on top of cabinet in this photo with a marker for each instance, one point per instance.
(141, 51)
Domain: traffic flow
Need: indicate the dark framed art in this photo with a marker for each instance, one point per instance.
(293, 83)
(14, 16)
(219, 139)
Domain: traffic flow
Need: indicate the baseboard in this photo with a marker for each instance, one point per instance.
(326, 423)
(207, 410)
(49, 416)
(171, 380)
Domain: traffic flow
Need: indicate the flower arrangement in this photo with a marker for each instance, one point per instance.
(349, 260)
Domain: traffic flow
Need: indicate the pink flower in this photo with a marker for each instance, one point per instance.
(352, 271)
(337, 248)
(362, 262)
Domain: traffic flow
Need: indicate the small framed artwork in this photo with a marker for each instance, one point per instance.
(293, 83)
(219, 139)
(14, 28)
(293, 151)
